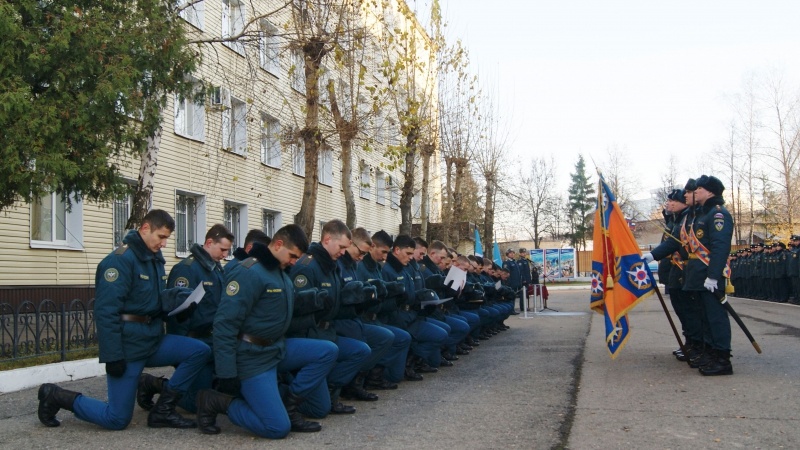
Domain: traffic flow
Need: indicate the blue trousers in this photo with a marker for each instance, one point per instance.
(394, 361)
(201, 381)
(471, 318)
(378, 339)
(715, 321)
(190, 355)
(427, 341)
(459, 329)
(352, 356)
(310, 361)
(690, 313)
(261, 410)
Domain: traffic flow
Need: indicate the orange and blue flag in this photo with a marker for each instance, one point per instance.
(620, 278)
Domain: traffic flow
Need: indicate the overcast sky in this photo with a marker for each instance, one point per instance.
(650, 77)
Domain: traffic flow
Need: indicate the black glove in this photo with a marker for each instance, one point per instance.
(308, 301)
(435, 282)
(117, 368)
(380, 287)
(370, 294)
(352, 293)
(327, 303)
(228, 386)
(395, 288)
(184, 315)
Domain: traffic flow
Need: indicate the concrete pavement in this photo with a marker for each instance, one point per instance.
(546, 383)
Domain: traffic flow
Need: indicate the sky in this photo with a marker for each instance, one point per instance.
(650, 78)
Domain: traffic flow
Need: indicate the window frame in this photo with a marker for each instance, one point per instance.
(198, 222)
(73, 224)
(270, 141)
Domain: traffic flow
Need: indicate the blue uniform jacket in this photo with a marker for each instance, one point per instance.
(258, 301)
(317, 269)
(196, 269)
(393, 270)
(514, 281)
(367, 270)
(524, 271)
(129, 281)
(239, 255)
(713, 226)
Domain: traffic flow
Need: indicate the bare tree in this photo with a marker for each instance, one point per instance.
(534, 194)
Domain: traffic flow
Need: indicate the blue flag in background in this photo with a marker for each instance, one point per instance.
(498, 259)
(478, 246)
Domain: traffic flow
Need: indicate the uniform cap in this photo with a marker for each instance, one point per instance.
(711, 184)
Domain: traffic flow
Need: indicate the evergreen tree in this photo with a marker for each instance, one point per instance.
(581, 203)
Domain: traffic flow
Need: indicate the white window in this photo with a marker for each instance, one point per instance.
(235, 221)
(364, 184)
(395, 193)
(325, 167)
(189, 119)
(121, 213)
(53, 225)
(416, 205)
(298, 71)
(269, 48)
(380, 181)
(190, 222)
(270, 141)
(233, 20)
(298, 159)
(234, 124)
(192, 12)
(270, 222)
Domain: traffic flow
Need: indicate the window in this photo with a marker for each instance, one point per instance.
(189, 118)
(380, 181)
(53, 225)
(193, 13)
(270, 222)
(233, 19)
(234, 124)
(325, 167)
(189, 222)
(416, 205)
(395, 193)
(236, 221)
(364, 184)
(298, 71)
(121, 213)
(298, 159)
(269, 48)
(270, 141)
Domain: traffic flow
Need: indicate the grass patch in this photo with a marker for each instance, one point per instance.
(39, 360)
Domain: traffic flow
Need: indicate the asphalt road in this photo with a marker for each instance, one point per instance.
(546, 383)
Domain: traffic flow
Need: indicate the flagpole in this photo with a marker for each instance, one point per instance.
(669, 318)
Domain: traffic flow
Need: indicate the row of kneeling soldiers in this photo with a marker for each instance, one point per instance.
(284, 332)
(768, 272)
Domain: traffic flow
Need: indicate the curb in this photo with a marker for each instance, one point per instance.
(28, 377)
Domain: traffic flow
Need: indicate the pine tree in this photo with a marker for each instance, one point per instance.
(581, 203)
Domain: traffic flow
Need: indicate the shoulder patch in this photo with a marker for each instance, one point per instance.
(232, 288)
(182, 282)
(111, 275)
(121, 249)
(248, 263)
(300, 281)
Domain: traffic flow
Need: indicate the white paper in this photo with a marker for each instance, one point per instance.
(497, 285)
(457, 276)
(435, 302)
(196, 296)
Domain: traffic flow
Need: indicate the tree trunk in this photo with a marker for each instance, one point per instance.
(346, 130)
(458, 202)
(488, 214)
(424, 193)
(142, 197)
(447, 213)
(407, 193)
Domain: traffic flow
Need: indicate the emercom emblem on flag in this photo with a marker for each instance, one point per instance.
(620, 279)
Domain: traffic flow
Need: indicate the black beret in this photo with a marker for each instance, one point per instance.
(711, 184)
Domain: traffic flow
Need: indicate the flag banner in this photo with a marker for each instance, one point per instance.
(620, 278)
(496, 257)
(478, 246)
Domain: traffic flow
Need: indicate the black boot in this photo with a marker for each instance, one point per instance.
(338, 407)
(299, 423)
(51, 399)
(449, 356)
(209, 404)
(422, 367)
(411, 374)
(701, 358)
(720, 364)
(163, 414)
(355, 390)
(471, 342)
(375, 380)
(148, 387)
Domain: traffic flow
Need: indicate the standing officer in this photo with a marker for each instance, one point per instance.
(128, 309)
(203, 266)
(793, 268)
(250, 348)
(525, 274)
(514, 280)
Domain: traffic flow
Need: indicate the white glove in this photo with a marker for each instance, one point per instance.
(648, 257)
(710, 284)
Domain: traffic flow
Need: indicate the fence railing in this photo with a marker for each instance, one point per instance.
(29, 329)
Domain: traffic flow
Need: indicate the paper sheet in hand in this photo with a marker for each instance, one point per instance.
(497, 285)
(195, 297)
(457, 276)
(435, 302)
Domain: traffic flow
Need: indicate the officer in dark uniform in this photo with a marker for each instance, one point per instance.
(241, 253)
(757, 271)
(525, 274)
(793, 268)
(250, 348)
(514, 279)
(318, 269)
(128, 310)
(203, 266)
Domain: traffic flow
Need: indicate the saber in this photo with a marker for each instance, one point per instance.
(727, 305)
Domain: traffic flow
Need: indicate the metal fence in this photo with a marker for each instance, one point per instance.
(47, 328)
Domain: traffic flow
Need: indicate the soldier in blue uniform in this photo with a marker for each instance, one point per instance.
(793, 268)
(514, 279)
(348, 323)
(203, 266)
(250, 347)
(525, 274)
(128, 311)
(318, 269)
(241, 253)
